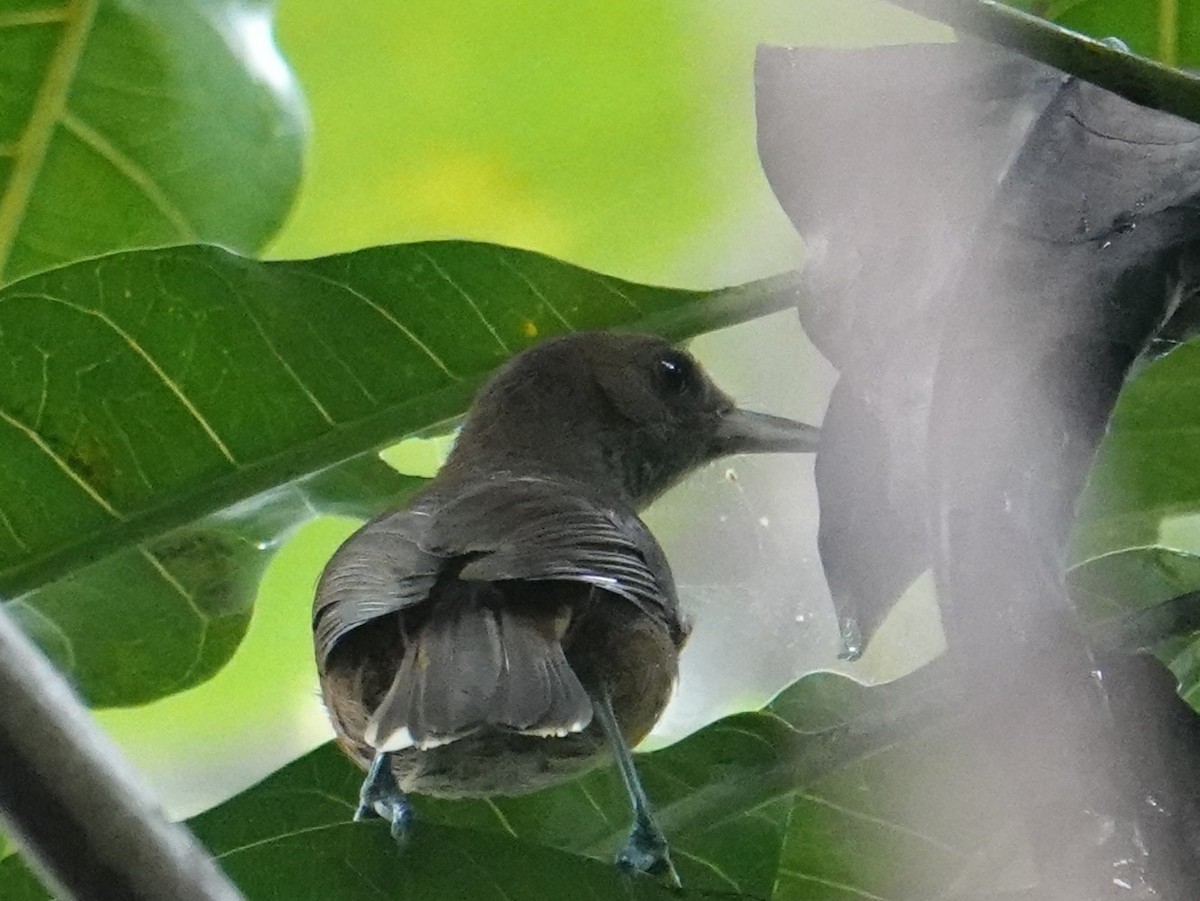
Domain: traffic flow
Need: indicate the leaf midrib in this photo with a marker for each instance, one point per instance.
(47, 110)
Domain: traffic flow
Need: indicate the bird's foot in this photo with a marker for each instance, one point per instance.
(646, 851)
(395, 810)
(381, 798)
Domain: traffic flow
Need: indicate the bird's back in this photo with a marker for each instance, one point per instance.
(496, 610)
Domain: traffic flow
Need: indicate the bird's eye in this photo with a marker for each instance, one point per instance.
(675, 372)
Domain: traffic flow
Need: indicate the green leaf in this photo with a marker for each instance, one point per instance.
(139, 123)
(722, 795)
(148, 390)
(742, 803)
(1136, 545)
(1145, 473)
(165, 616)
(1166, 30)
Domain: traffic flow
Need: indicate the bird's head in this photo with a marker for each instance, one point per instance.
(628, 414)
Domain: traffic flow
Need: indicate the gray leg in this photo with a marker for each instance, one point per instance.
(646, 849)
(381, 797)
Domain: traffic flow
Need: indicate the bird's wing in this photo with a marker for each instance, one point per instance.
(502, 529)
(542, 529)
(380, 569)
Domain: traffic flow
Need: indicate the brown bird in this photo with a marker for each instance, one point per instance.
(516, 623)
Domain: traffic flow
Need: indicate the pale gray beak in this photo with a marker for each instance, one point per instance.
(746, 432)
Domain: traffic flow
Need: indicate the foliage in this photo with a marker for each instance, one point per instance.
(172, 414)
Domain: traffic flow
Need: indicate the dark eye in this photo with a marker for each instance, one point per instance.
(675, 373)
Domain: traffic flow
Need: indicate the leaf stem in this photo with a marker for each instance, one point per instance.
(1135, 78)
(75, 805)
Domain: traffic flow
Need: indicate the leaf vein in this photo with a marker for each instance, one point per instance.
(481, 868)
(137, 348)
(467, 297)
(595, 804)
(287, 367)
(537, 292)
(387, 315)
(131, 171)
(68, 644)
(250, 846)
(708, 864)
(8, 527)
(829, 883)
(47, 16)
(878, 821)
(166, 575)
(501, 817)
(63, 465)
(608, 285)
(34, 142)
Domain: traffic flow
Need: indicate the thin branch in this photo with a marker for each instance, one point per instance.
(75, 806)
(1135, 78)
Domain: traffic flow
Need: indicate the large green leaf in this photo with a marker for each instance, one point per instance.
(133, 123)
(147, 390)
(723, 797)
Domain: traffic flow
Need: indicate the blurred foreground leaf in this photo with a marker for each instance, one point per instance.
(136, 123)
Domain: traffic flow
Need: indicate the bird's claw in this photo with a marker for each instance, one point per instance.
(395, 810)
(646, 851)
(382, 799)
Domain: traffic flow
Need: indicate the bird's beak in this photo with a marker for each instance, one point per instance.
(746, 432)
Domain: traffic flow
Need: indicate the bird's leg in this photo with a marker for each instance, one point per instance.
(381, 797)
(646, 849)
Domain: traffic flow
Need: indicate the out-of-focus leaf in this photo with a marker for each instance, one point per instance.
(145, 391)
(1145, 486)
(881, 246)
(137, 123)
(932, 816)
(1013, 298)
(1136, 547)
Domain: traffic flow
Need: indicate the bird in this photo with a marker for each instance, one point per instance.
(516, 623)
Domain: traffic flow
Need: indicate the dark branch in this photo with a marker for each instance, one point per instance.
(75, 806)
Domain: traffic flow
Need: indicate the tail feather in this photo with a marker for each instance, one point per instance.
(472, 666)
(389, 729)
(460, 658)
(570, 707)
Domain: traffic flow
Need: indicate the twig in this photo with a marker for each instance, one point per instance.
(74, 804)
(1133, 77)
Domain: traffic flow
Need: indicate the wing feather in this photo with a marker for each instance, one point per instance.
(505, 528)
